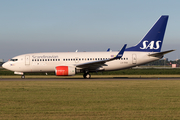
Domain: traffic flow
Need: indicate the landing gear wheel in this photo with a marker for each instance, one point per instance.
(87, 75)
(22, 77)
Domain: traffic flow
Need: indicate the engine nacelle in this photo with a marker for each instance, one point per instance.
(65, 70)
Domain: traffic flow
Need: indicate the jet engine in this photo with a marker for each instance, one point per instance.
(65, 70)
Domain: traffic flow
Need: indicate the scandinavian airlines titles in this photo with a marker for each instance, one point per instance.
(150, 45)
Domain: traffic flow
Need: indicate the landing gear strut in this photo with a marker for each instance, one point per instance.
(87, 75)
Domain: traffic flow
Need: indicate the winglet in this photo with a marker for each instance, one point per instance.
(108, 49)
(121, 52)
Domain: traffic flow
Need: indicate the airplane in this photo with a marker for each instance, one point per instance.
(70, 63)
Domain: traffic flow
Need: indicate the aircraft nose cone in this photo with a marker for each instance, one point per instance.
(4, 65)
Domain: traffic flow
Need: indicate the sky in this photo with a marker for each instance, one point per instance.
(30, 26)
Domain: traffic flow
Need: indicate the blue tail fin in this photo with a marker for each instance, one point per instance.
(152, 42)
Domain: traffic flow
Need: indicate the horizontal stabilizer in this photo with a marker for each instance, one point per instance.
(160, 53)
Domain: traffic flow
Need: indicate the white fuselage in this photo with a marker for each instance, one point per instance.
(46, 62)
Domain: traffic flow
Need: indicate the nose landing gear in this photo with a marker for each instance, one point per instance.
(23, 77)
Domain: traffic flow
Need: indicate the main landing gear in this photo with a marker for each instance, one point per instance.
(87, 75)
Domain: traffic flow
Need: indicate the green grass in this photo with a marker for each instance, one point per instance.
(89, 99)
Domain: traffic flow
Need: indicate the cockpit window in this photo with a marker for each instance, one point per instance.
(13, 59)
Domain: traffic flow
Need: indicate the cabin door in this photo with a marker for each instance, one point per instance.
(134, 59)
(27, 60)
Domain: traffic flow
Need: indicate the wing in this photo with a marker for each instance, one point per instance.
(96, 64)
